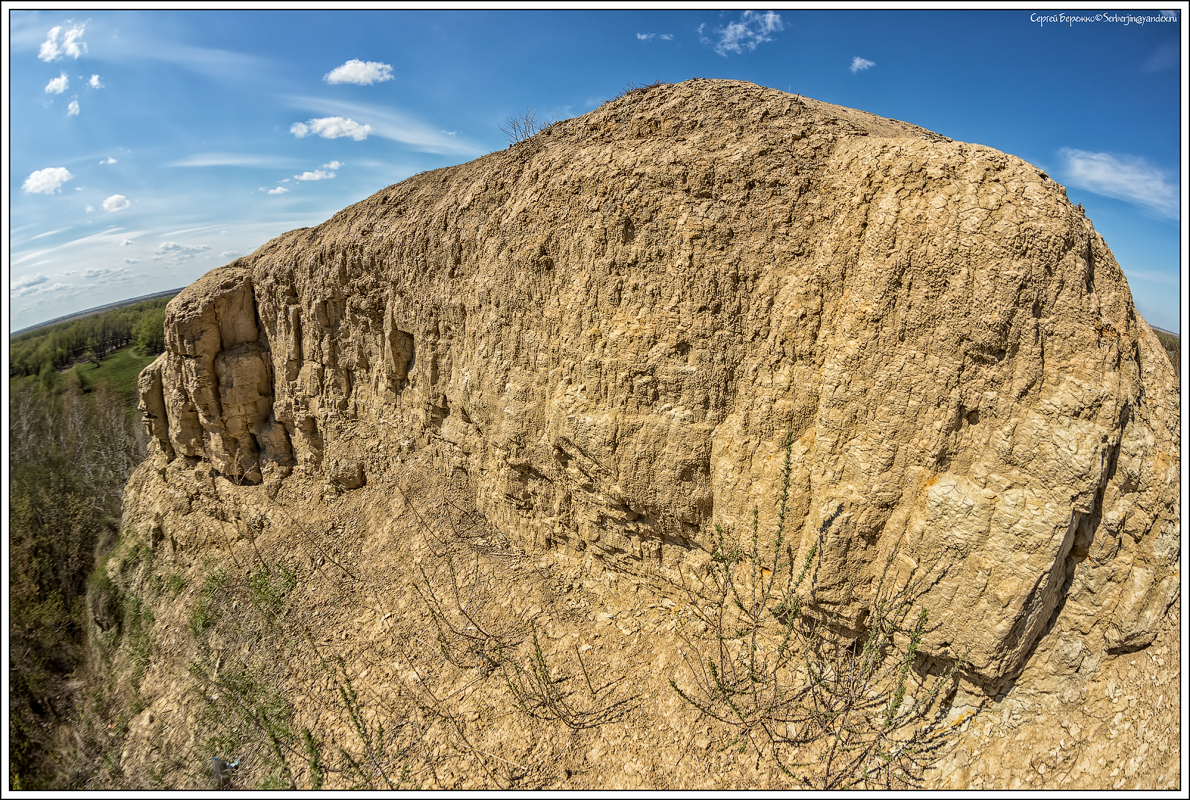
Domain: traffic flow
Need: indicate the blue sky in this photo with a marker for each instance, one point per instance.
(148, 147)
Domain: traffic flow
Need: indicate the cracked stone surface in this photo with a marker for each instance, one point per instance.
(614, 326)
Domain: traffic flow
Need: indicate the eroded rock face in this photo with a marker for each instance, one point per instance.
(615, 325)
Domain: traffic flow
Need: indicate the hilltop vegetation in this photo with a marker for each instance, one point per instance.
(44, 351)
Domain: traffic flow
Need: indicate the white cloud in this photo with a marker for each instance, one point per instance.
(363, 73)
(46, 181)
(94, 82)
(58, 85)
(125, 243)
(450, 133)
(316, 175)
(42, 288)
(231, 254)
(97, 274)
(331, 128)
(285, 180)
(200, 228)
(117, 202)
(48, 233)
(62, 41)
(36, 285)
(235, 160)
(333, 164)
(108, 160)
(73, 109)
(644, 37)
(858, 64)
(278, 190)
(89, 210)
(67, 288)
(182, 250)
(390, 124)
(752, 30)
(667, 37)
(1127, 178)
(26, 284)
(132, 261)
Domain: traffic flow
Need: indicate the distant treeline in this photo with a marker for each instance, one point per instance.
(47, 350)
(1172, 343)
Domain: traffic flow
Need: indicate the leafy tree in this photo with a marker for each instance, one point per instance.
(149, 334)
(70, 455)
(89, 338)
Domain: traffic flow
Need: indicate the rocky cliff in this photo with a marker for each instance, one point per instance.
(613, 327)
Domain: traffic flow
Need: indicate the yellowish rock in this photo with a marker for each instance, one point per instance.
(614, 326)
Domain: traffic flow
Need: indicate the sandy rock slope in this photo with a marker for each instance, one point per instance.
(612, 331)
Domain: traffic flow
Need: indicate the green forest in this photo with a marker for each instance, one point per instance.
(90, 339)
(75, 438)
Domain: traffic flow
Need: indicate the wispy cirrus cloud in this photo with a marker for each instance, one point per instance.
(184, 231)
(1152, 276)
(112, 236)
(48, 233)
(1127, 178)
(363, 73)
(1163, 58)
(63, 40)
(234, 160)
(389, 124)
(860, 64)
(648, 37)
(749, 32)
(223, 65)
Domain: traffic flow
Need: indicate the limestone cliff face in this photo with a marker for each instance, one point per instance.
(614, 325)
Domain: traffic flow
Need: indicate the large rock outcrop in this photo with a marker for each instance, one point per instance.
(615, 324)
